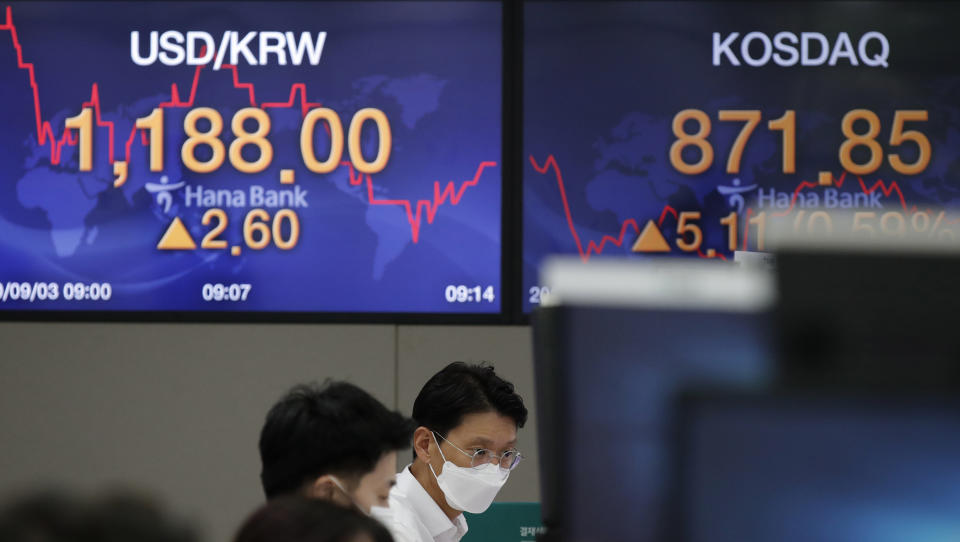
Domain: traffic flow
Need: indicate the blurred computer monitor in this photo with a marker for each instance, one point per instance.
(612, 347)
(787, 468)
(868, 315)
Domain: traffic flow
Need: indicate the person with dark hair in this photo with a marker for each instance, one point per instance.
(334, 442)
(296, 518)
(464, 449)
(115, 517)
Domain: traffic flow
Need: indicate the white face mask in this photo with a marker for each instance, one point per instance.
(469, 489)
(353, 501)
(382, 514)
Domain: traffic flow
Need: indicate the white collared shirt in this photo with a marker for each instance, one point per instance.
(417, 518)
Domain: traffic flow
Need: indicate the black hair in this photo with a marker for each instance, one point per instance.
(300, 519)
(460, 389)
(336, 428)
(117, 517)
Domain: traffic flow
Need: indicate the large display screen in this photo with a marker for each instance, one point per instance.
(613, 375)
(796, 469)
(696, 128)
(251, 156)
(628, 475)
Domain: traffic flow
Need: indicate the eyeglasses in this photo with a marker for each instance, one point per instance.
(508, 460)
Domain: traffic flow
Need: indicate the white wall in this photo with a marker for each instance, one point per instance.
(177, 408)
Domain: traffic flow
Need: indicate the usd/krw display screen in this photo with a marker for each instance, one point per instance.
(250, 156)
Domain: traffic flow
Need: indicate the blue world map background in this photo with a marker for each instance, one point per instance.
(637, 64)
(432, 68)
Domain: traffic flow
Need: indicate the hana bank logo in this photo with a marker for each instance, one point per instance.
(735, 194)
(162, 191)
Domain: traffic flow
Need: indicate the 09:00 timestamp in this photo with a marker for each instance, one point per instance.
(31, 292)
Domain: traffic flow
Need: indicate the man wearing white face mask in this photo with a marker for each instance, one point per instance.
(464, 450)
(335, 442)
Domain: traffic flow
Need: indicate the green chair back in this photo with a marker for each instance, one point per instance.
(505, 522)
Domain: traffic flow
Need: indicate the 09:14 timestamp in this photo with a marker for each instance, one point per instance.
(469, 294)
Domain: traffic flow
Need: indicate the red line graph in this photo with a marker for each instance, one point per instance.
(887, 188)
(880, 184)
(593, 247)
(415, 218)
(45, 134)
(45, 131)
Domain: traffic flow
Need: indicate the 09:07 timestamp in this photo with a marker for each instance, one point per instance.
(225, 292)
